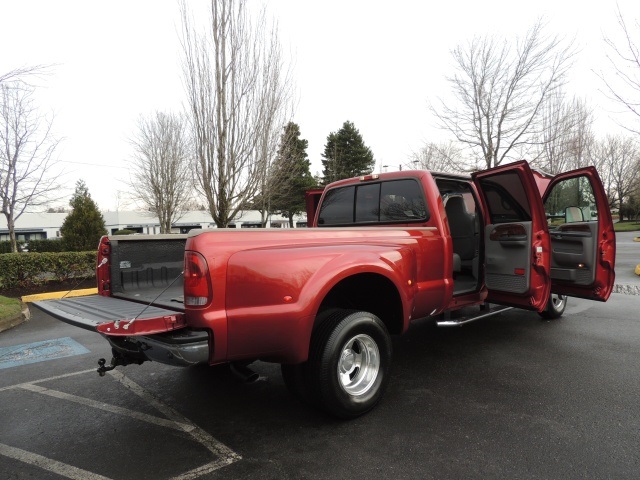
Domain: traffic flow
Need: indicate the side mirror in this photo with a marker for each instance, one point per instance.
(573, 214)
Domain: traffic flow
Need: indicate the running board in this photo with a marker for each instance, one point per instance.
(487, 312)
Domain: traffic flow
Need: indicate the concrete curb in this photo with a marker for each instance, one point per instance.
(56, 295)
(14, 321)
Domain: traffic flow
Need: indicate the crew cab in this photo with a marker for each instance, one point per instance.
(383, 250)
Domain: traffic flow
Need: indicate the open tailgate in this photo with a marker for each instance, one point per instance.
(113, 316)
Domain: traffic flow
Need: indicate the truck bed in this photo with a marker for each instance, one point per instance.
(170, 298)
(148, 269)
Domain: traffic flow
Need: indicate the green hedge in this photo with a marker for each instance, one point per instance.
(24, 270)
(5, 246)
(46, 246)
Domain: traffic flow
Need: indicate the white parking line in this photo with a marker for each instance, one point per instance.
(175, 421)
(48, 379)
(203, 470)
(227, 456)
(48, 464)
(162, 422)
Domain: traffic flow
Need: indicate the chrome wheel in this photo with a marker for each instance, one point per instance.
(358, 365)
(558, 302)
(349, 361)
(555, 307)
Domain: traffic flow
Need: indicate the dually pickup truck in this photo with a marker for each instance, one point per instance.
(384, 250)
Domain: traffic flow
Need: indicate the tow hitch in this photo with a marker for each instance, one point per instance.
(116, 360)
(101, 366)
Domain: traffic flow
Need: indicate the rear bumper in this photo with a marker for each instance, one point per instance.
(183, 348)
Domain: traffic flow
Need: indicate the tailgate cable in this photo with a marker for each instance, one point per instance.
(104, 260)
(126, 327)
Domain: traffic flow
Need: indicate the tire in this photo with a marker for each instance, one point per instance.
(349, 363)
(555, 307)
(297, 376)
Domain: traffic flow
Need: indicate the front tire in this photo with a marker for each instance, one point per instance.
(349, 363)
(555, 307)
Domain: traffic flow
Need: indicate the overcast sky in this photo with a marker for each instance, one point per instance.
(375, 63)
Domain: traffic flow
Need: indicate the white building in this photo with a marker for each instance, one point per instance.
(40, 226)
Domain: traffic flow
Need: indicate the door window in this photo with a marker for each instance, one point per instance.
(571, 201)
(506, 199)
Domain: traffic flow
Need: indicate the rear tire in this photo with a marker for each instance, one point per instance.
(555, 307)
(349, 363)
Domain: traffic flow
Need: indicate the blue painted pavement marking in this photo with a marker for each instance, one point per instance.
(39, 352)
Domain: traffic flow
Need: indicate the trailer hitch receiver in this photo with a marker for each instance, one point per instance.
(117, 359)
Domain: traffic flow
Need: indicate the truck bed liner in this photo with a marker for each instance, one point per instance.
(172, 298)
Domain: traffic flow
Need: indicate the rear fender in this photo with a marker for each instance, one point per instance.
(398, 266)
(274, 295)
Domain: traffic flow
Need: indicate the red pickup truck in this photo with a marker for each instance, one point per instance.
(385, 249)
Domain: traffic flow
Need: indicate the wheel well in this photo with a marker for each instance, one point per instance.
(368, 292)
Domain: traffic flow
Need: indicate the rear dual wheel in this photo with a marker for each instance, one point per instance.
(348, 367)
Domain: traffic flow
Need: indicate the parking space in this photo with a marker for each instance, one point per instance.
(77, 425)
(507, 397)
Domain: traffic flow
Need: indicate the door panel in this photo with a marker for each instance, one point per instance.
(573, 251)
(507, 254)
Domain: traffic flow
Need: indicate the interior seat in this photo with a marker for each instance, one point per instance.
(462, 226)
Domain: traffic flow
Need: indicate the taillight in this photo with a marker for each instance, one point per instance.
(197, 285)
(103, 275)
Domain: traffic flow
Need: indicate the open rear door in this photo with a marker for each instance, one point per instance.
(516, 238)
(583, 243)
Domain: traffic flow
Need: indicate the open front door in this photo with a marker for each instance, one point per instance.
(516, 239)
(583, 243)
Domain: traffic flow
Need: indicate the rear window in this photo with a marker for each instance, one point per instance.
(395, 201)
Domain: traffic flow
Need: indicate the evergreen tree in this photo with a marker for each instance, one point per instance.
(346, 155)
(83, 227)
(290, 176)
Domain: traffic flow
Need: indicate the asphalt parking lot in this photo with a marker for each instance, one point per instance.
(507, 397)
(627, 258)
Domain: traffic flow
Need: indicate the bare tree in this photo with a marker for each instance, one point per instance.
(581, 136)
(27, 148)
(566, 134)
(624, 86)
(23, 73)
(161, 176)
(238, 93)
(500, 87)
(620, 168)
(443, 157)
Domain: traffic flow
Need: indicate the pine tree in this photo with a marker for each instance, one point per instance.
(83, 227)
(291, 175)
(345, 155)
